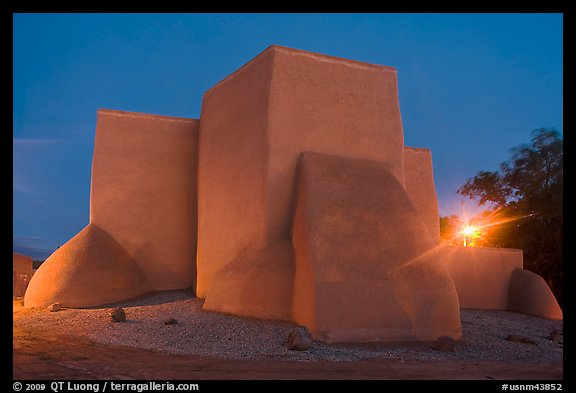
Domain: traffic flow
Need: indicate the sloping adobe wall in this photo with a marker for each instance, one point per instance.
(530, 294)
(366, 268)
(144, 192)
(91, 269)
(482, 274)
(254, 126)
(143, 216)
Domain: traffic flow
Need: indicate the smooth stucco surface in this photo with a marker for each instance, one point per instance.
(482, 274)
(530, 294)
(364, 266)
(257, 283)
(256, 123)
(91, 269)
(293, 198)
(143, 192)
(419, 184)
(232, 170)
(142, 232)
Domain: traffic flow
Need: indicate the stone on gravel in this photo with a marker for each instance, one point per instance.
(54, 307)
(208, 334)
(170, 321)
(520, 339)
(118, 315)
(443, 343)
(299, 339)
(555, 335)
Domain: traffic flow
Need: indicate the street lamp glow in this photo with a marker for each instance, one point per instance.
(469, 232)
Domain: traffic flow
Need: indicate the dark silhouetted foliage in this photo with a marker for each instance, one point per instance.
(529, 189)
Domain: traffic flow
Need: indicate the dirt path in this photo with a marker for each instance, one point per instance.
(49, 355)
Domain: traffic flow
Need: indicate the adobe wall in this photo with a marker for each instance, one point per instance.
(21, 273)
(530, 294)
(143, 192)
(327, 105)
(357, 279)
(257, 122)
(257, 283)
(293, 198)
(91, 269)
(232, 168)
(482, 274)
(419, 184)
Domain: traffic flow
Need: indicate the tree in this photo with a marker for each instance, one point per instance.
(482, 230)
(450, 227)
(528, 190)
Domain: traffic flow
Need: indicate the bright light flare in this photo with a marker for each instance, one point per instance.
(469, 230)
(474, 231)
(470, 234)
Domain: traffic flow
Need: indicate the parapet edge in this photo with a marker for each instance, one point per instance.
(142, 115)
(488, 249)
(299, 52)
(418, 149)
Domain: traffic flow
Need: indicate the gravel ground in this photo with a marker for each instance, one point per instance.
(227, 336)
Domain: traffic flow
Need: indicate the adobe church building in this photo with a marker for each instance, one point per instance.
(293, 197)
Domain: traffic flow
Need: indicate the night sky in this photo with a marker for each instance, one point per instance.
(471, 87)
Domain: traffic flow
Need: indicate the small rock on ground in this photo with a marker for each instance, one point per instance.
(299, 339)
(118, 315)
(170, 321)
(520, 339)
(555, 335)
(443, 343)
(54, 307)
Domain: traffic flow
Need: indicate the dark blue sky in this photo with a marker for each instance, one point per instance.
(471, 87)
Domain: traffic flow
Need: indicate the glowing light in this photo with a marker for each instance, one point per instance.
(470, 235)
(468, 230)
(477, 230)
